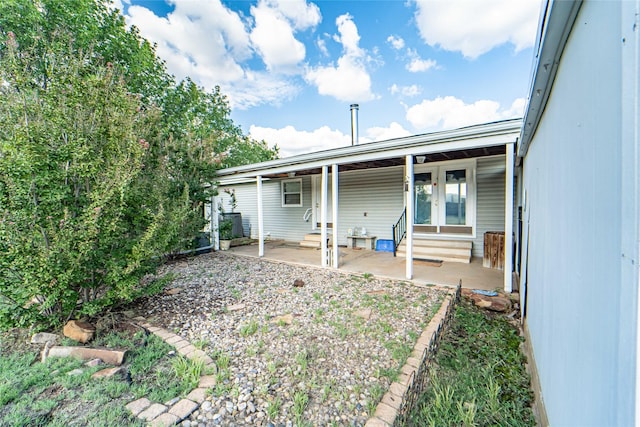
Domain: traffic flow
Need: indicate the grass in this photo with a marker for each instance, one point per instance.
(249, 328)
(35, 393)
(479, 376)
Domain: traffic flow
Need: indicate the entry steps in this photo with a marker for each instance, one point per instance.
(314, 240)
(441, 250)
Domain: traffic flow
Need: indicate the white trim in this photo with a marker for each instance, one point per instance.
(508, 220)
(438, 170)
(282, 193)
(486, 135)
(334, 215)
(260, 217)
(408, 179)
(323, 216)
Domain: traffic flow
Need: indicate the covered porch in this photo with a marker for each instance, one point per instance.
(382, 264)
(431, 190)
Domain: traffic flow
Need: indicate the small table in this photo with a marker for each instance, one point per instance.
(369, 241)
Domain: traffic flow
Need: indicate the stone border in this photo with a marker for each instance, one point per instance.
(176, 410)
(399, 400)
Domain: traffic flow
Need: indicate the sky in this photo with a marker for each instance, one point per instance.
(292, 68)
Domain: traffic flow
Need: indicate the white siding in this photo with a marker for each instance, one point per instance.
(581, 314)
(279, 222)
(371, 198)
(376, 192)
(490, 199)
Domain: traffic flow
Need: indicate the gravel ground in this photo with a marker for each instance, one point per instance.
(294, 345)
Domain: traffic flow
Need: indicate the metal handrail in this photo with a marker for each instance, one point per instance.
(399, 230)
(307, 215)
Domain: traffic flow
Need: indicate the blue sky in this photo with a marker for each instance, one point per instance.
(291, 68)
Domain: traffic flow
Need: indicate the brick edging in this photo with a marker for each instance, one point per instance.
(395, 405)
(176, 410)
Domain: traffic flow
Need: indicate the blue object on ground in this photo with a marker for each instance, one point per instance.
(383, 245)
(485, 293)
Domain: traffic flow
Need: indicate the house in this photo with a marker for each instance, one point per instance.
(579, 157)
(448, 187)
(572, 165)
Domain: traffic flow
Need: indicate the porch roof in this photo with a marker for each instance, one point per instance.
(468, 142)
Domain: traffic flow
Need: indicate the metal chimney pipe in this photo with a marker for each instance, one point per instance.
(354, 124)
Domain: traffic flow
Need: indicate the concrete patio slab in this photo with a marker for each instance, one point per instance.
(382, 264)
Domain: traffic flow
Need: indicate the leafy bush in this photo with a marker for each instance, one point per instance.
(105, 162)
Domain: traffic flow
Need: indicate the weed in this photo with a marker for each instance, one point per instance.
(317, 296)
(249, 328)
(188, 370)
(273, 408)
(200, 344)
(300, 400)
(476, 381)
(302, 357)
(367, 276)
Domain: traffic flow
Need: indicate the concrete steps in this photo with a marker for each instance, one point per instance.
(442, 250)
(313, 240)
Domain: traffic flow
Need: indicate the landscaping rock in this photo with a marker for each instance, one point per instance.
(44, 337)
(94, 362)
(75, 372)
(79, 330)
(112, 357)
(172, 291)
(287, 319)
(108, 373)
(236, 307)
(364, 313)
(498, 304)
(298, 283)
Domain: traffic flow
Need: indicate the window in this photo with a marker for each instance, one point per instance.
(445, 198)
(292, 193)
(456, 197)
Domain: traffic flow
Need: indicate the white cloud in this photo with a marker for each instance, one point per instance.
(322, 46)
(408, 91)
(273, 38)
(396, 42)
(349, 80)
(476, 27)
(394, 130)
(303, 15)
(450, 113)
(258, 88)
(417, 65)
(212, 44)
(292, 142)
(203, 40)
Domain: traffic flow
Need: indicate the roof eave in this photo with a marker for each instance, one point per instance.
(472, 136)
(556, 21)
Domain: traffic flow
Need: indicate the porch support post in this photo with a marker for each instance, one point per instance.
(408, 182)
(214, 223)
(508, 219)
(334, 216)
(323, 215)
(260, 218)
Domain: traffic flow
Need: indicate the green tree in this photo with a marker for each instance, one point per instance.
(72, 234)
(105, 161)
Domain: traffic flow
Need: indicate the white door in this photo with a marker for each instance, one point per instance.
(317, 201)
(444, 199)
